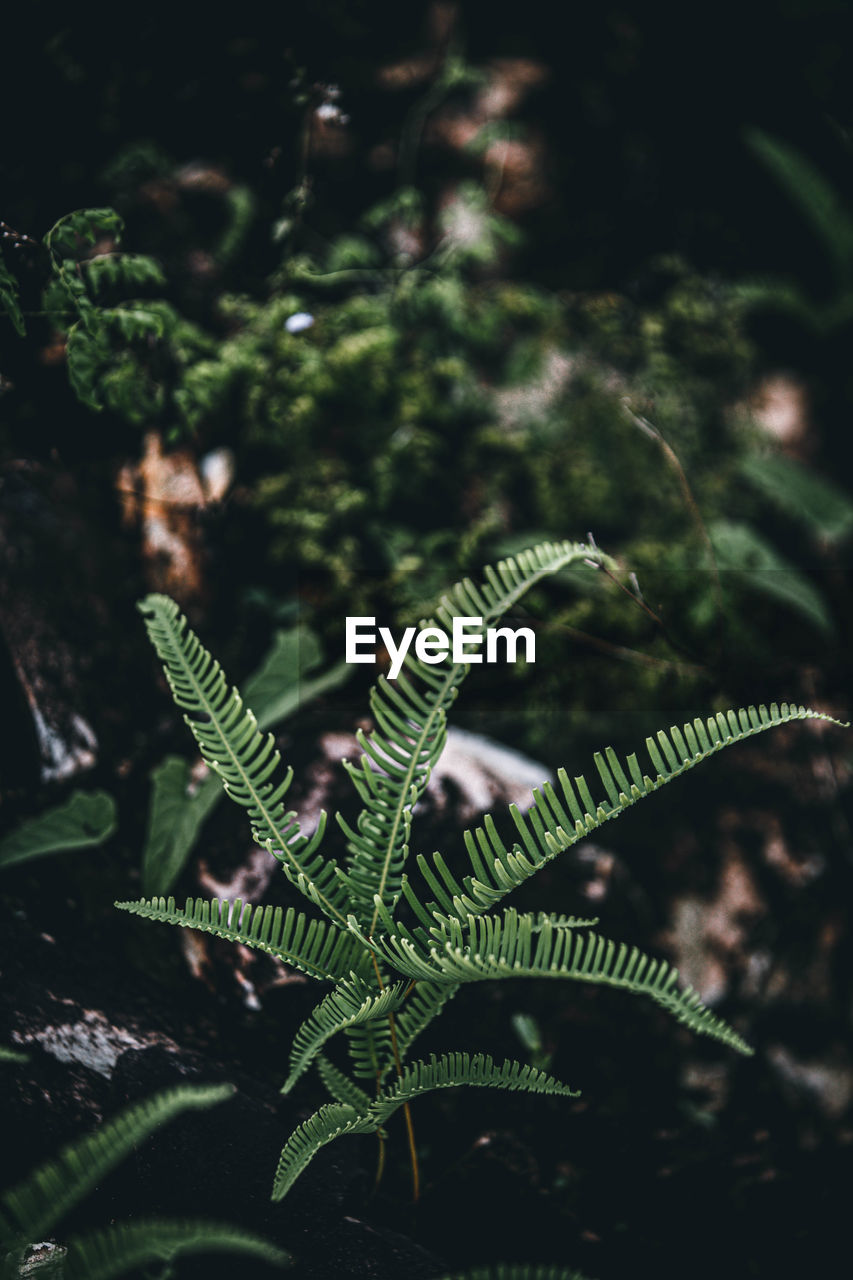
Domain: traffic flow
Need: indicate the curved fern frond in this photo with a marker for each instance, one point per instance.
(339, 1085)
(370, 1049)
(316, 947)
(243, 757)
(410, 714)
(508, 946)
(450, 1070)
(126, 1246)
(36, 1205)
(426, 1001)
(560, 817)
(352, 1002)
(330, 1122)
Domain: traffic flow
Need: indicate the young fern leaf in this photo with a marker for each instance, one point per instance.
(341, 1088)
(352, 1002)
(509, 946)
(330, 1122)
(452, 1069)
(446, 1072)
(561, 817)
(410, 714)
(315, 947)
(35, 1206)
(243, 757)
(127, 1246)
(370, 1049)
(426, 1002)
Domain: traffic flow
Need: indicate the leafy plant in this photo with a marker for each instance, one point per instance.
(36, 1206)
(396, 949)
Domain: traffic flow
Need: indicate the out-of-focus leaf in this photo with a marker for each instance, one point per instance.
(9, 299)
(815, 502)
(87, 818)
(174, 821)
(740, 550)
(806, 187)
(278, 687)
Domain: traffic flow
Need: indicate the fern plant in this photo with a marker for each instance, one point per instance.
(395, 947)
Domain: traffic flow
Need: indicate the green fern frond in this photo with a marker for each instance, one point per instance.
(447, 1072)
(330, 1122)
(426, 1002)
(80, 228)
(36, 1205)
(339, 1085)
(410, 714)
(122, 270)
(559, 819)
(370, 1049)
(351, 1003)
(127, 1246)
(316, 947)
(452, 1069)
(507, 946)
(244, 759)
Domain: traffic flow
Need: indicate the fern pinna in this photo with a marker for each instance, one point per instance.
(394, 950)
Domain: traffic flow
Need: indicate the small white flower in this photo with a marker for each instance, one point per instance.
(298, 322)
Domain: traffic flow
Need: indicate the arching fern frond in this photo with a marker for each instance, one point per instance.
(316, 947)
(508, 946)
(351, 1003)
(245, 759)
(410, 714)
(562, 816)
(452, 1069)
(126, 1246)
(330, 1122)
(34, 1207)
(370, 1049)
(446, 1072)
(339, 1085)
(426, 1001)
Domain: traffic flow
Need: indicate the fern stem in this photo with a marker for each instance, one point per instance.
(407, 1111)
(380, 1161)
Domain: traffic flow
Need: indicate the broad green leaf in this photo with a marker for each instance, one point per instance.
(86, 818)
(174, 821)
(822, 507)
(755, 564)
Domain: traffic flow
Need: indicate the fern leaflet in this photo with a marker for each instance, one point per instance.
(446, 1072)
(244, 759)
(508, 946)
(352, 1002)
(314, 946)
(410, 714)
(124, 1247)
(556, 821)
